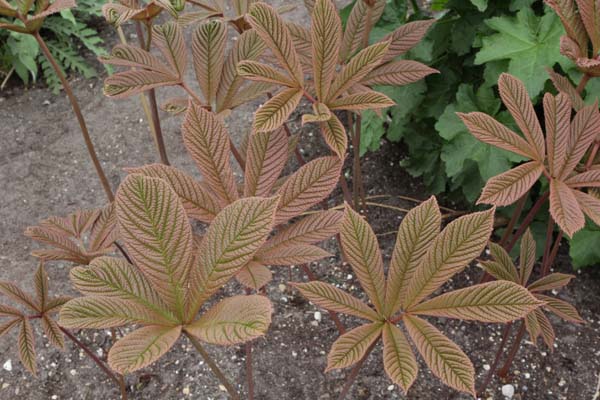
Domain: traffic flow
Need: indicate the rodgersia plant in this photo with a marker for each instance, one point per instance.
(423, 260)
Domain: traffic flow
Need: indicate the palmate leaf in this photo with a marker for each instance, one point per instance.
(13, 292)
(125, 84)
(510, 186)
(444, 358)
(334, 299)
(142, 347)
(532, 324)
(26, 345)
(589, 11)
(398, 358)
(418, 229)
(349, 348)
(208, 52)
(157, 234)
(131, 56)
(53, 332)
(98, 312)
(589, 178)
(357, 68)
(292, 255)
(309, 230)
(249, 46)
(406, 37)
(7, 326)
(456, 246)
(326, 35)
(546, 329)
(104, 230)
(266, 157)
(208, 143)
(309, 185)
(302, 39)
(563, 85)
(63, 247)
(230, 243)
(361, 250)
(335, 136)
(198, 201)
(361, 16)
(502, 257)
(115, 278)
(277, 110)
(9, 311)
(563, 208)
(571, 21)
(74, 224)
(557, 113)
(398, 73)
(234, 320)
(498, 301)
(274, 32)
(41, 287)
(527, 257)
(516, 99)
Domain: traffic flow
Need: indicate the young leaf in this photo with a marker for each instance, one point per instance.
(309, 230)
(9, 311)
(358, 67)
(197, 200)
(321, 113)
(571, 20)
(26, 344)
(585, 127)
(53, 332)
(398, 358)
(349, 348)
(398, 73)
(333, 299)
(445, 359)
(256, 71)
(234, 320)
(306, 187)
(362, 101)
(563, 85)
(590, 205)
(116, 278)
(64, 248)
(504, 259)
(208, 51)
(363, 13)
(487, 130)
(406, 37)
(277, 110)
(418, 229)
(230, 243)
(545, 328)
(6, 326)
(557, 112)
(498, 301)
(131, 56)
(589, 11)
(510, 186)
(589, 178)
(41, 286)
(561, 308)
(326, 35)
(127, 83)
(456, 246)
(361, 250)
(103, 312)
(292, 255)
(12, 291)
(207, 141)
(532, 324)
(169, 40)
(157, 234)
(142, 347)
(550, 282)
(515, 97)
(104, 230)
(563, 208)
(335, 136)
(274, 32)
(527, 257)
(265, 159)
(254, 275)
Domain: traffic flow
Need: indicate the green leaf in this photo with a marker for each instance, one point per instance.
(531, 43)
(481, 5)
(583, 248)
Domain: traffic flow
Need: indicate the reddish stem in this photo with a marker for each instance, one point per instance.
(513, 352)
(527, 221)
(490, 374)
(352, 377)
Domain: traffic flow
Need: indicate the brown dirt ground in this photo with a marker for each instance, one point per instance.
(44, 171)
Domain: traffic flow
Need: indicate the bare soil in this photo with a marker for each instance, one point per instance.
(44, 170)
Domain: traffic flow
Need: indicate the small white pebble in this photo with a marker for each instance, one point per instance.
(54, 397)
(508, 391)
(7, 365)
(390, 388)
(186, 390)
(527, 375)
(349, 276)
(222, 388)
(318, 316)
(281, 287)
(5, 385)
(548, 369)
(562, 382)
(294, 354)
(486, 367)
(73, 372)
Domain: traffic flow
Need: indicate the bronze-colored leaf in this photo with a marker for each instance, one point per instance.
(254, 275)
(406, 37)
(362, 101)
(208, 51)
(504, 259)
(326, 35)
(510, 186)
(26, 345)
(292, 255)
(527, 257)
(363, 16)
(563, 85)
(335, 136)
(398, 358)
(53, 332)
(398, 73)
(277, 110)
(349, 348)
(564, 208)
(266, 157)
(589, 204)
(585, 128)
(557, 111)
(169, 40)
(550, 282)
(561, 308)
(13, 292)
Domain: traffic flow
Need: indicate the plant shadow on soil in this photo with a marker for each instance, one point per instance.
(44, 171)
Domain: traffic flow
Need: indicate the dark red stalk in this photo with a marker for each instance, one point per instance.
(527, 221)
(354, 373)
(513, 352)
(77, 110)
(490, 374)
(118, 380)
